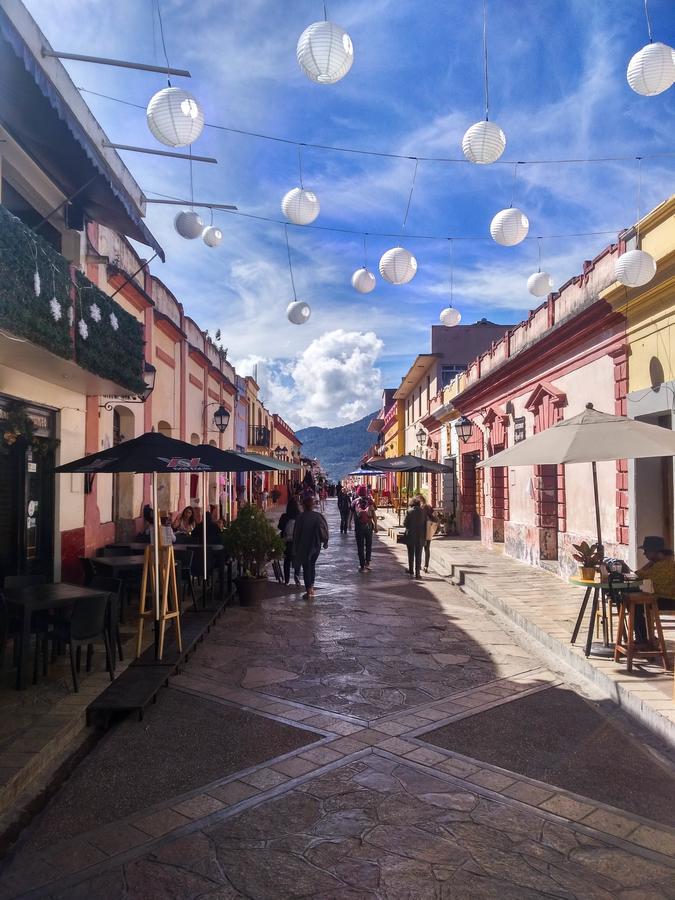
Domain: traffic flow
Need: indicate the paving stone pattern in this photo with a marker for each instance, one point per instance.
(369, 808)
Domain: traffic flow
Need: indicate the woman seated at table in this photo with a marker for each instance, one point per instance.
(212, 532)
(659, 569)
(185, 522)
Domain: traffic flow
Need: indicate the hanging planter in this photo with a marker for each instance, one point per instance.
(174, 117)
(325, 52)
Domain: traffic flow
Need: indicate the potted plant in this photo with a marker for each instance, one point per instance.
(252, 542)
(589, 556)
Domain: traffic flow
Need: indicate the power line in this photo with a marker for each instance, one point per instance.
(397, 234)
(388, 155)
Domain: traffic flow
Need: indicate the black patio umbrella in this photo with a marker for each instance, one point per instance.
(158, 454)
(410, 465)
(151, 452)
(407, 463)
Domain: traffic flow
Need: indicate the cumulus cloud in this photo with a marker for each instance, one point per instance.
(334, 380)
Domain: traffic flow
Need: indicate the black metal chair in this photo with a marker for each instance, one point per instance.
(87, 623)
(184, 563)
(114, 587)
(39, 623)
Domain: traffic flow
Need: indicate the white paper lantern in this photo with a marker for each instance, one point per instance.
(539, 284)
(635, 268)
(483, 143)
(450, 317)
(298, 312)
(509, 227)
(174, 117)
(212, 236)
(398, 266)
(651, 70)
(325, 52)
(188, 224)
(363, 281)
(300, 206)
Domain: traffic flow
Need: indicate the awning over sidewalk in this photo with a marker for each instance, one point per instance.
(43, 124)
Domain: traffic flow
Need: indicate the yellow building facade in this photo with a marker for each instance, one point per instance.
(650, 335)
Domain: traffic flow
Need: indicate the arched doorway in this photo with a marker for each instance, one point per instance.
(124, 428)
(164, 481)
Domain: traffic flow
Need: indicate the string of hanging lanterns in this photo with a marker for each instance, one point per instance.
(484, 142)
(651, 70)
(325, 54)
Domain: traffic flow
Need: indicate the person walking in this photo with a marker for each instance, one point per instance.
(365, 523)
(287, 527)
(415, 524)
(432, 528)
(344, 506)
(309, 535)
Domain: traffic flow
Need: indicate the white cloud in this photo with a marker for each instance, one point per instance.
(332, 381)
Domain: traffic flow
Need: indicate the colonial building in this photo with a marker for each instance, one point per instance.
(650, 373)
(94, 349)
(571, 350)
(452, 349)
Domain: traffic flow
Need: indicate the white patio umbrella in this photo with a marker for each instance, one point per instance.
(590, 437)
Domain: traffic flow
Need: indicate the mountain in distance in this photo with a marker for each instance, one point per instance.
(339, 450)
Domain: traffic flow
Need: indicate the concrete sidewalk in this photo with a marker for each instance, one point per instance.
(546, 608)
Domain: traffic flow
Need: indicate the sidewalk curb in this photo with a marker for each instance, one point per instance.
(625, 699)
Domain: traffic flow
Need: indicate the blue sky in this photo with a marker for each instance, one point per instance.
(557, 88)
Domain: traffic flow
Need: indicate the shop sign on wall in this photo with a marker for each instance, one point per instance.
(519, 429)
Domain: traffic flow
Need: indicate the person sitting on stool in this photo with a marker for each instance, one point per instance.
(660, 570)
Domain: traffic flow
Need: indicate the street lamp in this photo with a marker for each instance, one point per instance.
(221, 418)
(421, 438)
(464, 427)
(149, 373)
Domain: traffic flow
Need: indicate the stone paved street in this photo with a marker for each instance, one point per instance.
(358, 804)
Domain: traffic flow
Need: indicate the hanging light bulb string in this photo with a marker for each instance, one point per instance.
(649, 23)
(394, 234)
(639, 191)
(325, 11)
(452, 271)
(412, 188)
(290, 264)
(192, 189)
(485, 63)
(330, 148)
(513, 188)
(161, 34)
(300, 165)
(539, 250)
(365, 252)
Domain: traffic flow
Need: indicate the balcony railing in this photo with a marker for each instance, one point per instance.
(259, 436)
(48, 302)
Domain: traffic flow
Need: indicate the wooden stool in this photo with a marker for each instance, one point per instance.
(625, 632)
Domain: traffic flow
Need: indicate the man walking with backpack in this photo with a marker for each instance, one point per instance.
(365, 523)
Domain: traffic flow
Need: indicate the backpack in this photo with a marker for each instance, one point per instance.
(364, 515)
(289, 529)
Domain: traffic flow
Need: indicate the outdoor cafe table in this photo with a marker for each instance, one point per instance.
(599, 590)
(24, 601)
(119, 566)
(217, 549)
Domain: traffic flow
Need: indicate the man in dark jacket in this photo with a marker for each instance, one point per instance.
(415, 524)
(344, 503)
